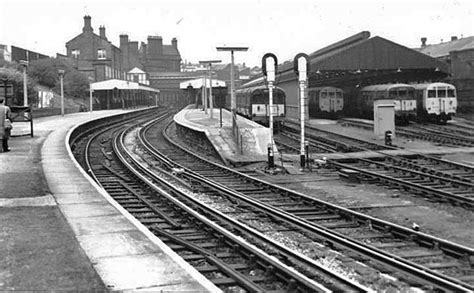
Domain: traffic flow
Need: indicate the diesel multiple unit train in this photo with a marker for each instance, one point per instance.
(435, 102)
(403, 96)
(325, 102)
(252, 102)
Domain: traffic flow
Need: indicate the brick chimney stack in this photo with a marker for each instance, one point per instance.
(174, 43)
(423, 42)
(454, 38)
(102, 32)
(87, 24)
(155, 45)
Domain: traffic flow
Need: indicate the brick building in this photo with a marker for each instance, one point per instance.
(96, 56)
(459, 55)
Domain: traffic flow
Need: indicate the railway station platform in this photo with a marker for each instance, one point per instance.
(59, 231)
(254, 137)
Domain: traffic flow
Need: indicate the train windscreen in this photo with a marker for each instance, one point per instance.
(441, 93)
(451, 93)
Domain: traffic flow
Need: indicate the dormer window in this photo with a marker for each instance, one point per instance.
(75, 53)
(101, 54)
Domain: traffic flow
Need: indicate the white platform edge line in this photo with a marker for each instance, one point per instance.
(178, 259)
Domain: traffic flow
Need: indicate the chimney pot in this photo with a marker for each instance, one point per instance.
(454, 38)
(102, 32)
(87, 24)
(423, 42)
(123, 39)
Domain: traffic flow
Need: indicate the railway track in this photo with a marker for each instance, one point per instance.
(424, 258)
(437, 179)
(198, 236)
(438, 186)
(436, 134)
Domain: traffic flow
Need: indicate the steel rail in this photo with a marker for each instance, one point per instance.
(400, 230)
(424, 189)
(138, 170)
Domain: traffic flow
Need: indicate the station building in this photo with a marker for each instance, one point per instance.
(358, 61)
(151, 63)
(459, 55)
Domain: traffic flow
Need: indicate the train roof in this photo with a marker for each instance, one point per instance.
(422, 86)
(258, 88)
(385, 87)
(257, 81)
(320, 88)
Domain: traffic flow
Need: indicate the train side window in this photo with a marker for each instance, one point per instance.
(451, 93)
(431, 94)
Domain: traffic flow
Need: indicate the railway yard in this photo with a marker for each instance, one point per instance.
(375, 221)
(254, 156)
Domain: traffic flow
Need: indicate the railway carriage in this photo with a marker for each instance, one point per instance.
(402, 94)
(435, 101)
(252, 102)
(325, 102)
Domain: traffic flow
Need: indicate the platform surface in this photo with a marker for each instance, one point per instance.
(255, 137)
(59, 231)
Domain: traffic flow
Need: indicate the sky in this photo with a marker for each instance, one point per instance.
(282, 27)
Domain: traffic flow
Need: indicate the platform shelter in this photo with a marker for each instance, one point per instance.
(123, 94)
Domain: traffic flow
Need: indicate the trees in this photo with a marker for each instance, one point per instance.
(76, 84)
(11, 73)
(44, 72)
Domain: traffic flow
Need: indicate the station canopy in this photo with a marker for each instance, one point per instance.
(198, 82)
(111, 84)
(371, 59)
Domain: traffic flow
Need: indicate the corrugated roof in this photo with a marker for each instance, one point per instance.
(121, 85)
(387, 87)
(443, 49)
(174, 74)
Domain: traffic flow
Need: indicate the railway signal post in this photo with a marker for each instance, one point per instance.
(269, 68)
(301, 67)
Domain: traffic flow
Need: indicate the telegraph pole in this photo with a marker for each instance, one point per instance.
(232, 87)
(61, 75)
(24, 63)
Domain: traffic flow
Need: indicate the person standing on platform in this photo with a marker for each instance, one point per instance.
(5, 125)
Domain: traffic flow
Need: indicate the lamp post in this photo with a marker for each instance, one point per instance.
(209, 63)
(204, 94)
(232, 93)
(301, 67)
(269, 68)
(90, 94)
(24, 63)
(61, 75)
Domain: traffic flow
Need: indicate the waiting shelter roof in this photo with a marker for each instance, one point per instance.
(110, 84)
(198, 82)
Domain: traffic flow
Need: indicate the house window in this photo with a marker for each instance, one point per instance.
(75, 53)
(101, 54)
